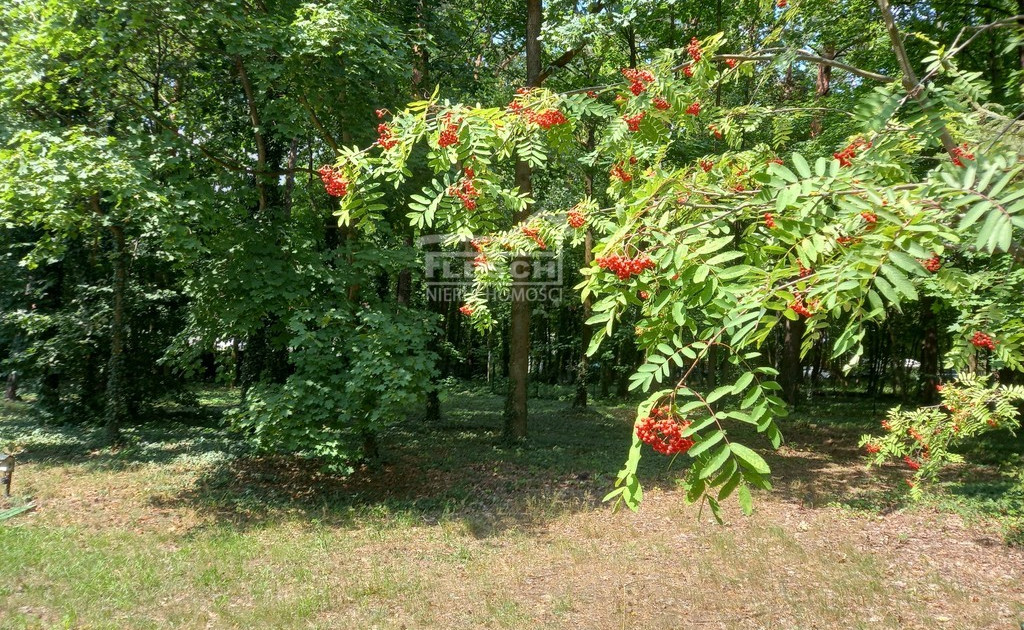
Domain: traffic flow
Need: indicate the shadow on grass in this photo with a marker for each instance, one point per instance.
(460, 469)
(457, 469)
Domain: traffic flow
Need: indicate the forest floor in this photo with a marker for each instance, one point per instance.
(184, 528)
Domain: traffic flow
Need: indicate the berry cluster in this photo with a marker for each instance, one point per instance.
(706, 165)
(775, 160)
(911, 464)
(334, 182)
(960, 153)
(386, 139)
(618, 171)
(625, 267)
(872, 448)
(643, 295)
(933, 264)
(591, 93)
(869, 217)
(449, 136)
(715, 131)
(660, 103)
(731, 63)
(694, 108)
(466, 191)
(381, 113)
(663, 433)
(846, 156)
(480, 261)
(638, 79)
(981, 340)
(847, 240)
(804, 271)
(769, 220)
(688, 71)
(782, 4)
(547, 118)
(801, 309)
(534, 234)
(576, 218)
(466, 310)
(693, 49)
(633, 122)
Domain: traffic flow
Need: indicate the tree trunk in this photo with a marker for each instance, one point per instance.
(823, 85)
(582, 370)
(587, 333)
(118, 390)
(929, 369)
(789, 361)
(519, 326)
(1020, 11)
(11, 391)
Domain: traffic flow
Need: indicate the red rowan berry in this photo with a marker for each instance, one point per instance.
(617, 171)
(335, 184)
(576, 219)
(981, 340)
(449, 136)
(960, 153)
(693, 49)
(633, 122)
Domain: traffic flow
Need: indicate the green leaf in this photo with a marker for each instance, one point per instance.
(720, 456)
(746, 501)
(706, 442)
(750, 459)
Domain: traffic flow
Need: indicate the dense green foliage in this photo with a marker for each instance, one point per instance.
(163, 220)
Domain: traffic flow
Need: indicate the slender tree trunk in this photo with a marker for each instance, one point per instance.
(929, 369)
(631, 40)
(519, 328)
(823, 85)
(910, 82)
(789, 363)
(1020, 47)
(118, 389)
(11, 391)
(586, 334)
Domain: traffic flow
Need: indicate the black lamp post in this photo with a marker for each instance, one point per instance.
(6, 472)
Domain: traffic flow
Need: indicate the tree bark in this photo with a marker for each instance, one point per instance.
(823, 85)
(1020, 11)
(789, 363)
(11, 391)
(519, 326)
(118, 389)
(929, 369)
(910, 82)
(586, 333)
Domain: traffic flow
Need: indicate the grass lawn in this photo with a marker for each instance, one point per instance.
(185, 528)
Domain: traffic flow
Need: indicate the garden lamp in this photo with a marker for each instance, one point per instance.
(6, 472)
